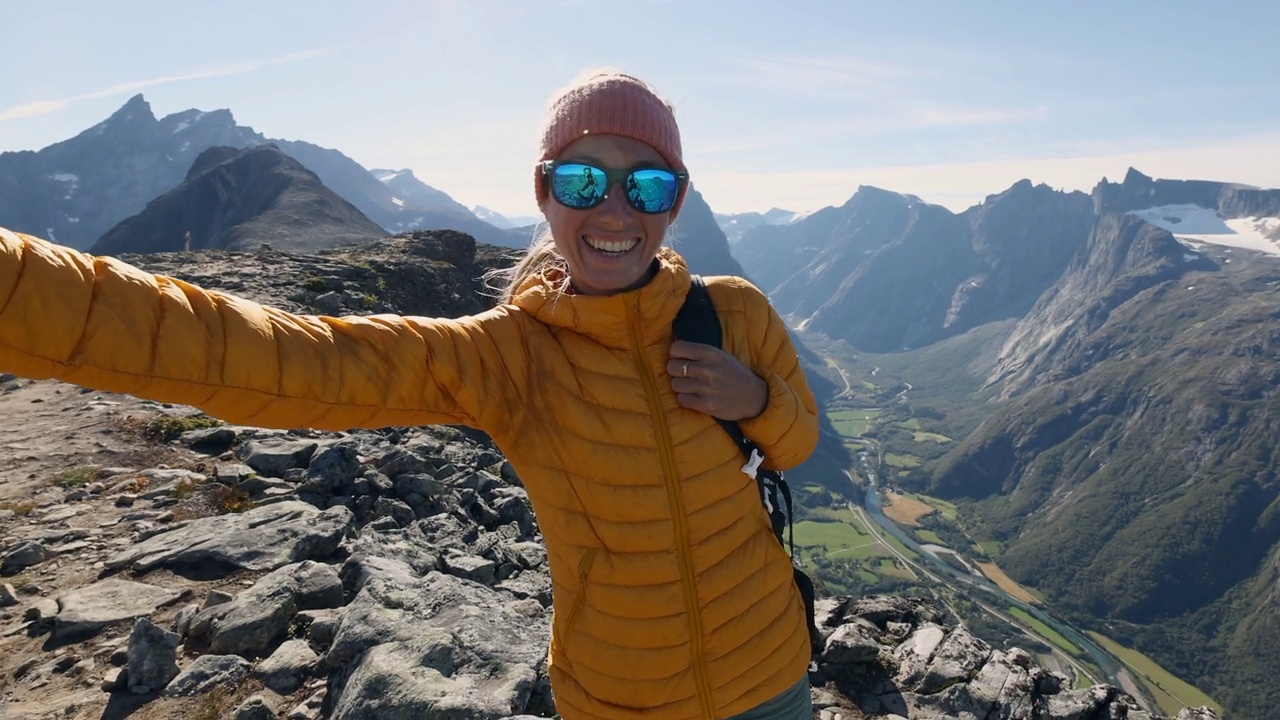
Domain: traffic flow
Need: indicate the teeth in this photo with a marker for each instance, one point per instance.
(611, 246)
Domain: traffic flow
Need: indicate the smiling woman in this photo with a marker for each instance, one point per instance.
(673, 597)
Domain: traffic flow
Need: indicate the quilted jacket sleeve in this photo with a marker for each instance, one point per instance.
(101, 323)
(787, 430)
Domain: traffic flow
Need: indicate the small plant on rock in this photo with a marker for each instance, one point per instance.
(76, 476)
(167, 428)
(229, 500)
(21, 509)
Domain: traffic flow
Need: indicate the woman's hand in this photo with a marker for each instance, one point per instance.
(710, 380)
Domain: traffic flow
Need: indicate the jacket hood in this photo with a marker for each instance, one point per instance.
(609, 319)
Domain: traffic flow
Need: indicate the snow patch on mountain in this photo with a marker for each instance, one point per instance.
(387, 176)
(493, 217)
(1193, 224)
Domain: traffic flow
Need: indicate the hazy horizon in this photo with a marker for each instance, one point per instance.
(789, 107)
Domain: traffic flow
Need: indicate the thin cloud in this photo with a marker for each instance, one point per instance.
(44, 107)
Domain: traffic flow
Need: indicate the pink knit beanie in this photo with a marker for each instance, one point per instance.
(611, 103)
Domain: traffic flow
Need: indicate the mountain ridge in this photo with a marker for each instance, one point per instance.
(75, 190)
(240, 199)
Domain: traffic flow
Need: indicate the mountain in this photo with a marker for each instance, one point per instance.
(735, 225)
(887, 271)
(75, 190)
(497, 219)
(429, 208)
(417, 194)
(699, 239)
(1130, 474)
(240, 199)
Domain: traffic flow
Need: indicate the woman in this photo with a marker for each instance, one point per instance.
(673, 599)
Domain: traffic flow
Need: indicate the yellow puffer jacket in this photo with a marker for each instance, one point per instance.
(673, 598)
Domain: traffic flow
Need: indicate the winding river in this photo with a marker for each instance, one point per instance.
(871, 504)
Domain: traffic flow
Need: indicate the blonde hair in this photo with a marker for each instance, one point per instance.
(541, 256)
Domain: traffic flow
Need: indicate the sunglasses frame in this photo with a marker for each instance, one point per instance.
(612, 176)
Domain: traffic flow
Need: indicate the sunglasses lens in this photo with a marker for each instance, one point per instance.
(579, 186)
(652, 191)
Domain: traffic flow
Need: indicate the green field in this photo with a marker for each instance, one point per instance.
(901, 461)
(1045, 631)
(852, 423)
(826, 514)
(1169, 692)
(834, 535)
(929, 536)
(885, 537)
(889, 567)
(921, 436)
(947, 509)
(912, 424)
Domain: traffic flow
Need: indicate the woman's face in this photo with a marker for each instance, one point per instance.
(609, 247)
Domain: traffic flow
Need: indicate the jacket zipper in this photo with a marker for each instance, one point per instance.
(676, 500)
(584, 568)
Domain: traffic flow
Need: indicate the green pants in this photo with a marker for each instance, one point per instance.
(793, 703)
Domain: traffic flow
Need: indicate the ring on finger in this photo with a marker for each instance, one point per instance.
(684, 370)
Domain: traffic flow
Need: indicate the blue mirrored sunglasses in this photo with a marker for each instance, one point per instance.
(581, 186)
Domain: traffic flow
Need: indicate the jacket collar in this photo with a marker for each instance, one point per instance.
(610, 319)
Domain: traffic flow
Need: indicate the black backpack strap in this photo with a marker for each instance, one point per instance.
(697, 321)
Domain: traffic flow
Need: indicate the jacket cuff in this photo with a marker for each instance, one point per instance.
(781, 414)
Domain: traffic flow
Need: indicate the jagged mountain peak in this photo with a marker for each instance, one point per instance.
(136, 108)
(870, 194)
(1136, 178)
(1019, 189)
(188, 119)
(1140, 192)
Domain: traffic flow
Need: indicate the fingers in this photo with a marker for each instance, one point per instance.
(686, 350)
(694, 401)
(694, 360)
(680, 369)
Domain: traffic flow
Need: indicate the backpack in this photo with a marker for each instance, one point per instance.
(698, 322)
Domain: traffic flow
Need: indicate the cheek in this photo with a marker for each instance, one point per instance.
(656, 225)
(562, 225)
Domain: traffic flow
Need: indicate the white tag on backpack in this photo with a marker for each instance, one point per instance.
(753, 463)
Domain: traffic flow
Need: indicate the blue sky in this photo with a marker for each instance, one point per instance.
(788, 104)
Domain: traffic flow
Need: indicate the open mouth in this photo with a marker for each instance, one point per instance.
(611, 247)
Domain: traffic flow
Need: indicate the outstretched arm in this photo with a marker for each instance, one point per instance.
(101, 323)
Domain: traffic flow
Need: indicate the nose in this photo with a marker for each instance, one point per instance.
(615, 203)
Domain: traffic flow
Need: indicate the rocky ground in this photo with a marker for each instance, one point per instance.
(242, 573)
(154, 564)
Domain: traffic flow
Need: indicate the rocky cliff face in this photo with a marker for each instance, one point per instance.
(1130, 473)
(888, 272)
(699, 239)
(1138, 191)
(74, 191)
(1123, 257)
